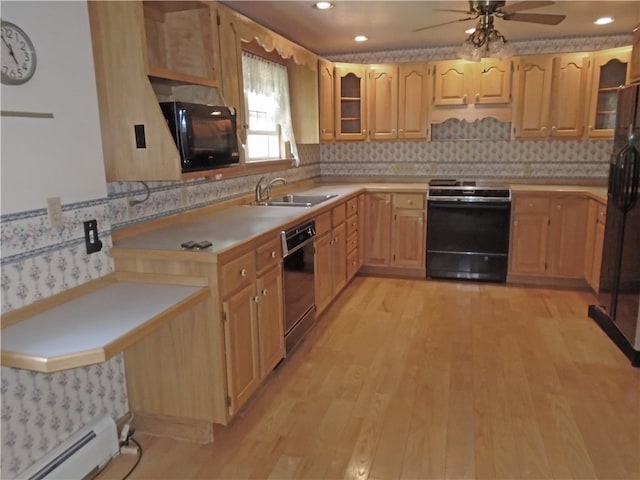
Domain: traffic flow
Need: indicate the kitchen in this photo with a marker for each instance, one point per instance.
(95, 198)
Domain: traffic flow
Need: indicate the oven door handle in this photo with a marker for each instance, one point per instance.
(298, 247)
(458, 205)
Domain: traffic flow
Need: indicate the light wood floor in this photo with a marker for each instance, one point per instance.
(430, 380)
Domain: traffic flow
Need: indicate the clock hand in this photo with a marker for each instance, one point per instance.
(13, 55)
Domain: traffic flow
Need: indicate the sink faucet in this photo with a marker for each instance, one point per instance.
(264, 193)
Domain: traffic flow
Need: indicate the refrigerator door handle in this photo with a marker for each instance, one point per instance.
(630, 177)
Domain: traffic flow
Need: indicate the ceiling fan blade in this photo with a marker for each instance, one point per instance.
(542, 18)
(445, 23)
(526, 5)
(449, 10)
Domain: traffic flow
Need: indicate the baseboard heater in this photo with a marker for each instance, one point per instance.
(80, 456)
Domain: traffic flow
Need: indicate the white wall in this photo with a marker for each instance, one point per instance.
(59, 157)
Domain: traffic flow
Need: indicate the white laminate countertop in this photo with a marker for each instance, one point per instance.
(92, 327)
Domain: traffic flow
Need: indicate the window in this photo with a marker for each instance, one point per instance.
(266, 91)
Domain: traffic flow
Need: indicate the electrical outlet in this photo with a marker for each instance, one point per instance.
(132, 212)
(54, 211)
(184, 194)
(91, 240)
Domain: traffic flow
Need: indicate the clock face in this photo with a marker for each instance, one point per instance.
(18, 55)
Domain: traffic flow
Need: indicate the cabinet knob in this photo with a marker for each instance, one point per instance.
(393, 130)
(264, 292)
(243, 272)
(477, 97)
(590, 127)
(410, 202)
(401, 130)
(273, 254)
(256, 299)
(553, 129)
(544, 128)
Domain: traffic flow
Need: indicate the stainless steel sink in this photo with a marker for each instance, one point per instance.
(297, 200)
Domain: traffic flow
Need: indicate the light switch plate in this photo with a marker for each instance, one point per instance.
(54, 211)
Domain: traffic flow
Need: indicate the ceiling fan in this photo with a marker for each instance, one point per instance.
(487, 9)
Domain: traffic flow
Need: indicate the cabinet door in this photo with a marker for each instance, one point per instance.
(350, 109)
(609, 73)
(590, 240)
(382, 99)
(270, 320)
(450, 86)
(361, 229)
(323, 280)
(241, 347)
(409, 238)
(568, 227)
(597, 257)
(532, 93)
(413, 101)
(339, 258)
(492, 82)
(378, 217)
(326, 82)
(529, 236)
(231, 66)
(568, 88)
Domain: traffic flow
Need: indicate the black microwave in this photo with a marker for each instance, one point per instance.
(204, 134)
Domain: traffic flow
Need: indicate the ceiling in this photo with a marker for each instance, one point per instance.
(390, 24)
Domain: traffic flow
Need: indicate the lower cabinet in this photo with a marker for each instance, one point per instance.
(330, 256)
(548, 236)
(595, 240)
(395, 232)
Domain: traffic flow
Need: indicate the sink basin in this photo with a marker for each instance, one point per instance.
(298, 200)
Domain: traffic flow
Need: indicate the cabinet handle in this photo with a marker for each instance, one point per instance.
(401, 130)
(264, 291)
(590, 127)
(256, 299)
(553, 129)
(243, 272)
(410, 202)
(273, 254)
(544, 129)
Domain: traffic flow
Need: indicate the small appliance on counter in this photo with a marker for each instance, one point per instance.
(468, 230)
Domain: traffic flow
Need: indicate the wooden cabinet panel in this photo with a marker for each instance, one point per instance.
(532, 87)
(338, 214)
(350, 102)
(492, 81)
(326, 85)
(323, 267)
(382, 102)
(270, 320)
(408, 237)
(323, 223)
(378, 213)
(450, 84)
(414, 95)
(567, 234)
(241, 340)
(528, 252)
(339, 258)
(268, 255)
(609, 72)
(570, 79)
(361, 229)
(237, 273)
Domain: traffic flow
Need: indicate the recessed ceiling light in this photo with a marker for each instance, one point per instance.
(361, 38)
(603, 21)
(469, 31)
(323, 5)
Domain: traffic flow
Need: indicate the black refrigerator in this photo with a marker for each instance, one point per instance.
(618, 308)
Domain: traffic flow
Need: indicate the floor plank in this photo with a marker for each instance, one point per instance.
(416, 379)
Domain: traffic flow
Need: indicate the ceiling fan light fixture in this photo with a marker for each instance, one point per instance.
(484, 41)
(604, 21)
(361, 38)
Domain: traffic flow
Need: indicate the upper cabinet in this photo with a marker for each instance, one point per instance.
(471, 90)
(326, 107)
(414, 95)
(382, 101)
(549, 95)
(350, 102)
(182, 41)
(610, 72)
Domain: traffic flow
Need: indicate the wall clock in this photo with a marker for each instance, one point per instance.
(18, 55)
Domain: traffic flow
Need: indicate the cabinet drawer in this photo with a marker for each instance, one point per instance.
(352, 263)
(532, 205)
(352, 206)
(408, 200)
(323, 223)
(237, 273)
(352, 242)
(268, 255)
(602, 213)
(338, 214)
(352, 225)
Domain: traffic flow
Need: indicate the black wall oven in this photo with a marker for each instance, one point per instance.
(468, 231)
